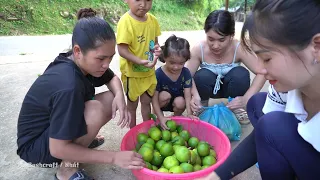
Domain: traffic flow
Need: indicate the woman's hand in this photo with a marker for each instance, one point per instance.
(119, 104)
(193, 117)
(128, 160)
(237, 102)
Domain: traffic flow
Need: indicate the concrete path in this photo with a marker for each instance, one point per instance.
(21, 60)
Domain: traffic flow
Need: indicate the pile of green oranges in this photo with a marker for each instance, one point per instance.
(174, 150)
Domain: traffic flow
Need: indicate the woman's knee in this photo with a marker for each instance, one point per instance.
(179, 103)
(204, 76)
(276, 125)
(205, 81)
(239, 76)
(106, 99)
(96, 113)
(255, 105)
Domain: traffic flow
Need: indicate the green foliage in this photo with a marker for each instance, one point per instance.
(33, 17)
(202, 6)
(235, 3)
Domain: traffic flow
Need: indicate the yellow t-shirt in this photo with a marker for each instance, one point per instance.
(140, 37)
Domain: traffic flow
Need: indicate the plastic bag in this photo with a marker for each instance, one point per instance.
(224, 119)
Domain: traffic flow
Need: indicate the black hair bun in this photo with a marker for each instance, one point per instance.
(86, 13)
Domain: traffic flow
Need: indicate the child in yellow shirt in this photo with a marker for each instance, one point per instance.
(137, 41)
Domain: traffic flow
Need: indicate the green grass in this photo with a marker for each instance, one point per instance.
(42, 17)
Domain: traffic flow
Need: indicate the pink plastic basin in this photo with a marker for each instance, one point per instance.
(202, 130)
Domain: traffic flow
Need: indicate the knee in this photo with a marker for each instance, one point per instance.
(95, 113)
(240, 74)
(276, 125)
(256, 103)
(145, 99)
(132, 105)
(257, 99)
(179, 103)
(203, 75)
(164, 97)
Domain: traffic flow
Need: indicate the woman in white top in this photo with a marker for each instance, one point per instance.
(221, 74)
(286, 137)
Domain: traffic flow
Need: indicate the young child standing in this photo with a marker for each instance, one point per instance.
(137, 33)
(173, 91)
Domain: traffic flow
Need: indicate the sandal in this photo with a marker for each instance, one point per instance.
(242, 116)
(198, 113)
(96, 142)
(80, 174)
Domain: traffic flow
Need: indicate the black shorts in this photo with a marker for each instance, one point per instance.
(38, 151)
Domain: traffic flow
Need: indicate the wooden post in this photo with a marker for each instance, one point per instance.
(227, 5)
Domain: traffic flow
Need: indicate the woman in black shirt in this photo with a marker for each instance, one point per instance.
(61, 115)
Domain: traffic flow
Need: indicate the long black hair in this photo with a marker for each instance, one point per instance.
(290, 23)
(220, 21)
(90, 31)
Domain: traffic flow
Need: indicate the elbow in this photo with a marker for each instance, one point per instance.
(55, 150)
(121, 50)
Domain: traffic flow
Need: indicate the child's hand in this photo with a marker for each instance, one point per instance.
(163, 121)
(128, 160)
(157, 52)
(193, 117)
(150, 64)
(144, 62)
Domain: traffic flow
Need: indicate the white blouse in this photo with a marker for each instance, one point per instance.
(291, 102)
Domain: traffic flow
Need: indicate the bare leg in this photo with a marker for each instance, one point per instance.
(96, 115)
(179, 105)
(164, 99)
(145, 100)
(132, 108)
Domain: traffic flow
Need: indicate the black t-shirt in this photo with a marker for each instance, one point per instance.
(56, 100)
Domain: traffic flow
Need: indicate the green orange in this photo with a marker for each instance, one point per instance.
(146, 153)
(185, 135)
(172, 125)
(142, 138)
(166, 150)
(155, 133)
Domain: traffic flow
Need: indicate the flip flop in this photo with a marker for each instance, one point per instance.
(80, 174)
(242, 116)
(96, 143)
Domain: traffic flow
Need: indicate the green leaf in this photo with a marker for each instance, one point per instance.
(153, 117)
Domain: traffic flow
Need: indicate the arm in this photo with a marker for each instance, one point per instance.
(115, 86)
(195, 60)
(255, 87)
(70, 151)
(187, 96)
(252, 62)
(125, 53)
(193, 65)
(157, 110)
(155, 104)
(67, 150)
